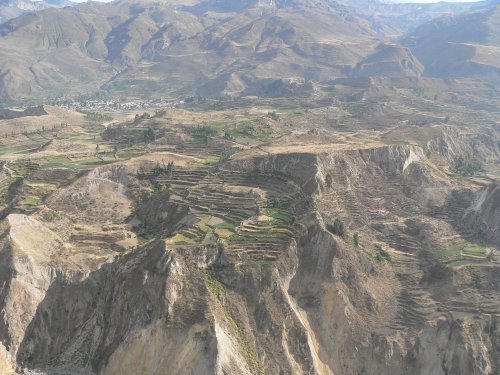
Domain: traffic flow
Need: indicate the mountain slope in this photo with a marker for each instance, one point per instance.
(463, 46)
(396, 19)
(389, 60)
(136, 48)
(80, 46)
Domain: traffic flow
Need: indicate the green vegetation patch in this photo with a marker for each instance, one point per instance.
(28, 147)
(50, 216)
(256, 130)
(466, 166)
(280, 215)
(474, 255)
(380, 254)
(30, 201)
(213, 284)
(391, 142)
(226, 225)
(257, 236)
(76, 164)
(181, 239)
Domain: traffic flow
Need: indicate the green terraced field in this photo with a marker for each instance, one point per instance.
(459, 256)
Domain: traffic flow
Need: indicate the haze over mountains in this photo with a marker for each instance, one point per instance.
(463, 46)
(218, 47)
(12, 8)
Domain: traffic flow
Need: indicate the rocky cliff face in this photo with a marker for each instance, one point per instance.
(484, 213)
(325, 305)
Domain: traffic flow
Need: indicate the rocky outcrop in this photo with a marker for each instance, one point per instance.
(450, 144)
(301, 167)
(7, 366)
(484, 214)
(27, 273)
(310, 170)
(130, 309)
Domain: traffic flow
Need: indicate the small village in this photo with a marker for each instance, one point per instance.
(114, 105)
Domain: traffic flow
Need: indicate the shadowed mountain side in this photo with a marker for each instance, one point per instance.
(88, 320)
(391, 61)
(461, 46)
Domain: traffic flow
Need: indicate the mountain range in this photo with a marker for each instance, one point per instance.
(214, 47)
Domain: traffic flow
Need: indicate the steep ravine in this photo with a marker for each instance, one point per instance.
(346, 309)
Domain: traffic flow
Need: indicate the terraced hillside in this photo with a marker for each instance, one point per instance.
(428, 247)
(167, 242)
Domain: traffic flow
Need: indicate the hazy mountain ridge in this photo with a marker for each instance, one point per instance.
(396, 19)
(224, 47)
(148, 46)
(467, 45)
(13, 8)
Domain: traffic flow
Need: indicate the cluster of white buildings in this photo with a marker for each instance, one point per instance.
(112, 105)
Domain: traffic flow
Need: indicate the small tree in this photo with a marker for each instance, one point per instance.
(466, 166)
(225, 155)
(329, 181)
(170, 169)
(356, 239)
(381, 254)
(338, 226)
(149, 135)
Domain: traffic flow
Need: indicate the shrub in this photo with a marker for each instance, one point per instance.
(49, 216)
(356, 239)
(338, 227)
(149, 135)
(273, 115)
(466, 166)
(225, 154)
(329, 181)
(382, 254)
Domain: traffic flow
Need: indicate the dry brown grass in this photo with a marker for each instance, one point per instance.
(55, 117)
